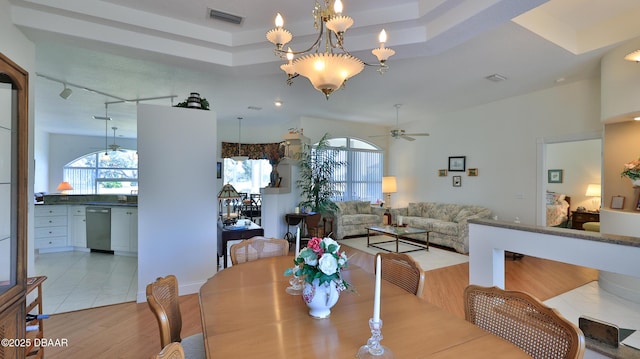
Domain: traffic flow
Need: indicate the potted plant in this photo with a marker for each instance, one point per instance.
(318, 164)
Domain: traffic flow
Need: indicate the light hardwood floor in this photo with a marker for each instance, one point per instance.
(129, 330)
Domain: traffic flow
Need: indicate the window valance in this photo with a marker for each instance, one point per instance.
(273, 152)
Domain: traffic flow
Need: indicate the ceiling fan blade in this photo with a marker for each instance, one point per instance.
(378, 136)
(405, 137)
(417, 134)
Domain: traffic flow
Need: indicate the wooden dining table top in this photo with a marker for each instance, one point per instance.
(246, 313)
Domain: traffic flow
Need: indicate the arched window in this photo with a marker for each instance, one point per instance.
(361, 179)
(98, 174)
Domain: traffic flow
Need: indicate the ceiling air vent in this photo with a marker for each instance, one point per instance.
(496, 78)
(226, 17)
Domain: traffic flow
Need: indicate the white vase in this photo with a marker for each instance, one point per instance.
(320, 298)
(636, 183)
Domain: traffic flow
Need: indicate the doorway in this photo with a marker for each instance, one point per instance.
(579, 161)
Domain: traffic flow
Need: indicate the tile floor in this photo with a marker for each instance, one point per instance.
(80, 280)
(592, 301)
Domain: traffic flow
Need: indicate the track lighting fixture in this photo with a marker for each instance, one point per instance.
(66, 93)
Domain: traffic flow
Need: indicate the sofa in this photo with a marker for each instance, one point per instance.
(446, 222)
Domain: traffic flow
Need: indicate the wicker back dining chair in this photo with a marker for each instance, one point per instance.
(523, 320)
(171, 351)
(256, 248)
(162, 297)
(403, 271)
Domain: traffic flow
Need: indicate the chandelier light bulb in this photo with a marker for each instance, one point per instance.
(337, 7)
(382, 38)
(289, 55)
(279, 21)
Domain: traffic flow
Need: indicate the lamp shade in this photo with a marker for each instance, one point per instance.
(228, 192)
(593, 190)
(389, 184)
(64, 186)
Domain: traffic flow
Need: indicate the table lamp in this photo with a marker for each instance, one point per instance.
(226, 194)
(64, 187)
(594, 190)
(388, 186)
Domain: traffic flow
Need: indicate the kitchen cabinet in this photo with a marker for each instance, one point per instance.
(77, 226)
(124, 229)
(51, 228)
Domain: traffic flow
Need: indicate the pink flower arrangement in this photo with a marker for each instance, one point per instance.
(321, 259)
(631, 170)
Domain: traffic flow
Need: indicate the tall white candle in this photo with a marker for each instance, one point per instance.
(297, 241)
(376, 295)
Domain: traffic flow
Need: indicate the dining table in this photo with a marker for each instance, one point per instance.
(246, 313)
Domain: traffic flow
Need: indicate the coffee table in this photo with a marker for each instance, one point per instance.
(400, 234)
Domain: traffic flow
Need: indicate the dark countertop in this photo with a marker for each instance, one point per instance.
(564, 232)
(107, 200)
(103, 204)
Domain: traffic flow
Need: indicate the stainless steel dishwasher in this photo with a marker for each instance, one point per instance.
(99, 228)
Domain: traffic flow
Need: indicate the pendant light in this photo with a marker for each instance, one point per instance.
(105, 156)
(239, 157)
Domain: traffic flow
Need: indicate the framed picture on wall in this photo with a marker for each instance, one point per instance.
(617, 202)
(218, 169)
(457, 181)
(457, 163)
(472, 172)
(554, 176)
(442, 173)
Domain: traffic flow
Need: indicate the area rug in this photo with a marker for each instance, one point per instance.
(429, 260)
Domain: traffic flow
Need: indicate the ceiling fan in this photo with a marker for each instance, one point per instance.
(114, 146)
(399, 133)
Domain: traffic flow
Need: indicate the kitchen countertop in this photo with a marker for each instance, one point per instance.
(91, 200)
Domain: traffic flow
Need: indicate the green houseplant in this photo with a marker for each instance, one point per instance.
(318, 165)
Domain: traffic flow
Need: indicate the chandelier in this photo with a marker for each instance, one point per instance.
(326, 63)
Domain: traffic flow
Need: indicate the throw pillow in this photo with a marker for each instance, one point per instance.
(414, 210)
(462, 215)
(363, 207)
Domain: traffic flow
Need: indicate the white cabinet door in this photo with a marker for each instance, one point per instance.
(78, 226)
(124, 229)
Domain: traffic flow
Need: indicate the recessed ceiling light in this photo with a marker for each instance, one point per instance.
(278, 103)
(496, 78)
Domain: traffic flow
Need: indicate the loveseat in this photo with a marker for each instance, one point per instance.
(354, 216)
(446, 222)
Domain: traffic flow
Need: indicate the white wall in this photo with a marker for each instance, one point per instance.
(17, 47)
(177, 204)
(499, 139)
